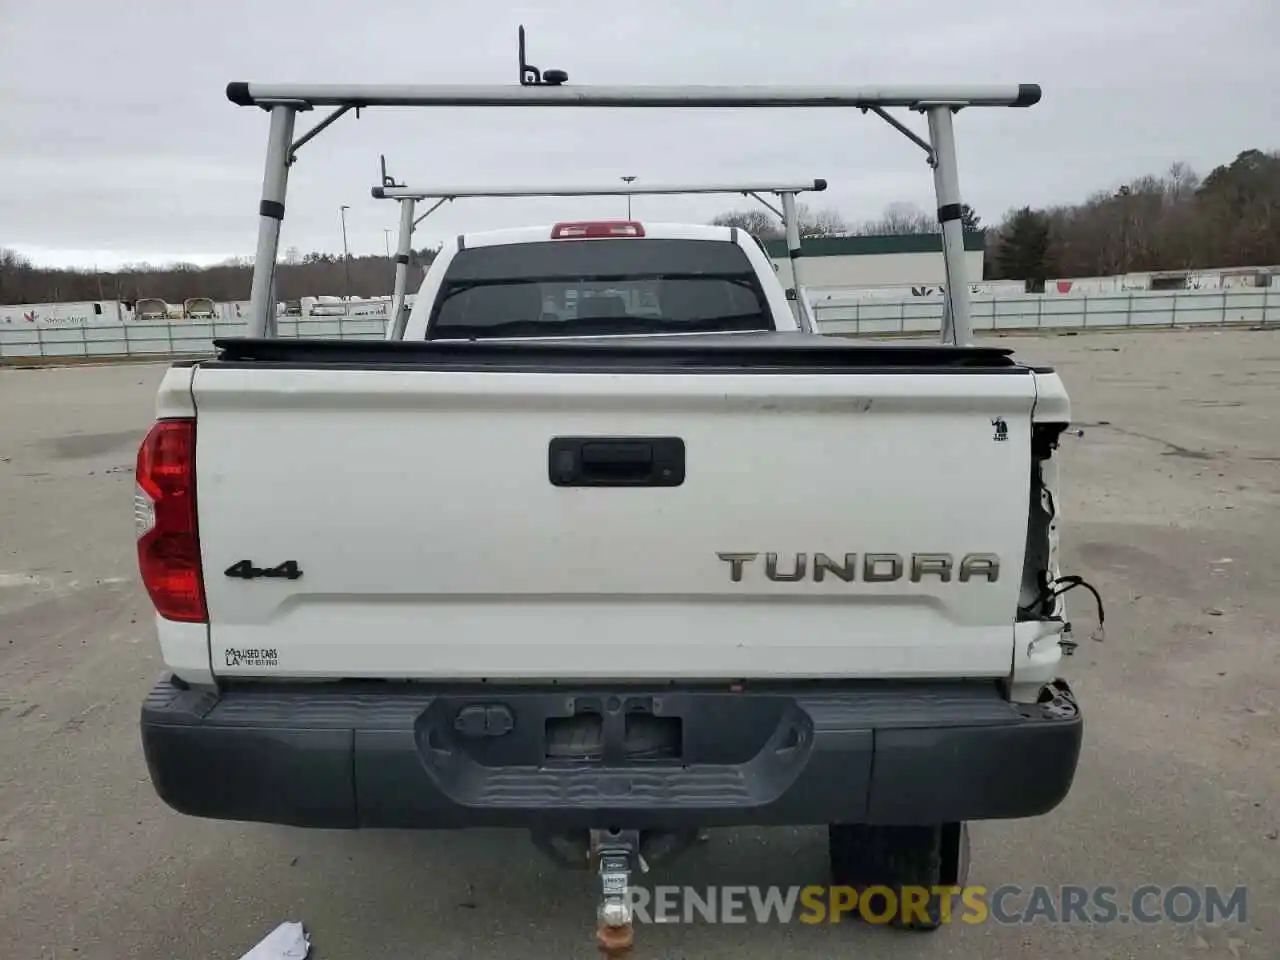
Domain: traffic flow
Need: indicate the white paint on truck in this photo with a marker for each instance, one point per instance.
(417, 502)
(434, 545)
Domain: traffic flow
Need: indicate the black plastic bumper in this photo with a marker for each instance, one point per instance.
(385, 755)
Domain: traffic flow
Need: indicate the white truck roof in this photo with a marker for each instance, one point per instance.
(652, 231)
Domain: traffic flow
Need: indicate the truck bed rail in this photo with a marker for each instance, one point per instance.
(737, 353)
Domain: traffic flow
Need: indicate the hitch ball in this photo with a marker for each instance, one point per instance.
(615, 913)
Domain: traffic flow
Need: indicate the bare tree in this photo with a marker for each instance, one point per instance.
(757, 222)
(898, 219)
(826, 222)
(765, 225)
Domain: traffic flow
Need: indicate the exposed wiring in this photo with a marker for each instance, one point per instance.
(1063, 585)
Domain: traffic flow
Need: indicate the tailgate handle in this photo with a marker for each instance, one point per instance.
(609, 454)
(616, 461)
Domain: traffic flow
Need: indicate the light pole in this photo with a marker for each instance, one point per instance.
(1123, 195)
(386, 239)
(346, 257)
(628, 181)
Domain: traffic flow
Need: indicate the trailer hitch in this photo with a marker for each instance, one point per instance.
(614, 853)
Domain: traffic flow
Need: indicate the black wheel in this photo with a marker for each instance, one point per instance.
(900, 858)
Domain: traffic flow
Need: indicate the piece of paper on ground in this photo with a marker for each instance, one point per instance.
(286, 942)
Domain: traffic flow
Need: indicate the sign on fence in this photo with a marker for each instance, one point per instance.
(31, 316)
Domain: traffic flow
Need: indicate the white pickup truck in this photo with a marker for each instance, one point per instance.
(655, 583)
(607, 549)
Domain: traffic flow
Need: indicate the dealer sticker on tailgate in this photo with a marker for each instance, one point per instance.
(251, 658)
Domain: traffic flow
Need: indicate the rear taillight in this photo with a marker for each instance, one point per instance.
(164, 510)
(596, 230)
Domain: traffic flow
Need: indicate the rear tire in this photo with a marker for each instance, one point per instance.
(900, 857)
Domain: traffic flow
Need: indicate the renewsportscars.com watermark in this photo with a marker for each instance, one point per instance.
(1007, 904)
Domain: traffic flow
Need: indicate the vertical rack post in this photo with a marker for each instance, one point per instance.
(399, 316)
(275, 179)
(794, 253)
(946, 184)
(272, 328)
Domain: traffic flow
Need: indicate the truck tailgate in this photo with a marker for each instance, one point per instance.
(432, 543)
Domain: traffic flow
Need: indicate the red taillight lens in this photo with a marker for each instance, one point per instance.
(164, 509)
(596, 230)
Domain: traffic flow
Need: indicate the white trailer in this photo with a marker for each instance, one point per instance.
(152, 308)
(199, 308)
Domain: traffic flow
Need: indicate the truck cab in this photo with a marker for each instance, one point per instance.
(599, 279)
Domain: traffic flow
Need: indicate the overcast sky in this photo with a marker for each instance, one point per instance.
(117, 142)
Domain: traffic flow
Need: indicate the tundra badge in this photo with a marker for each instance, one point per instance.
(875, 567)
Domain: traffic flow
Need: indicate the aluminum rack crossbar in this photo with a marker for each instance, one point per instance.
(604, 190)
(449, 95)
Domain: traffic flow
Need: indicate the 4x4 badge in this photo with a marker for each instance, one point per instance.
(245, 570)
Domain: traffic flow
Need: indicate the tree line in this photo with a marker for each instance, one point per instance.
(1174, 221)
(298, 275)
(1171, 221)
(897, 219)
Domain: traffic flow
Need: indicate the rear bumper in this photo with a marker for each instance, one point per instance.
(401, 756)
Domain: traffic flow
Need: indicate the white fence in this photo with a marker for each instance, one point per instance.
(1181, 308)
(917, 315)
(172, 338)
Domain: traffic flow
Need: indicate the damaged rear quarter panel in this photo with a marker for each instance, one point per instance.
(1037, 653)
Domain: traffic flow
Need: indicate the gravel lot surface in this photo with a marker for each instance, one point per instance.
(1171, 507)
